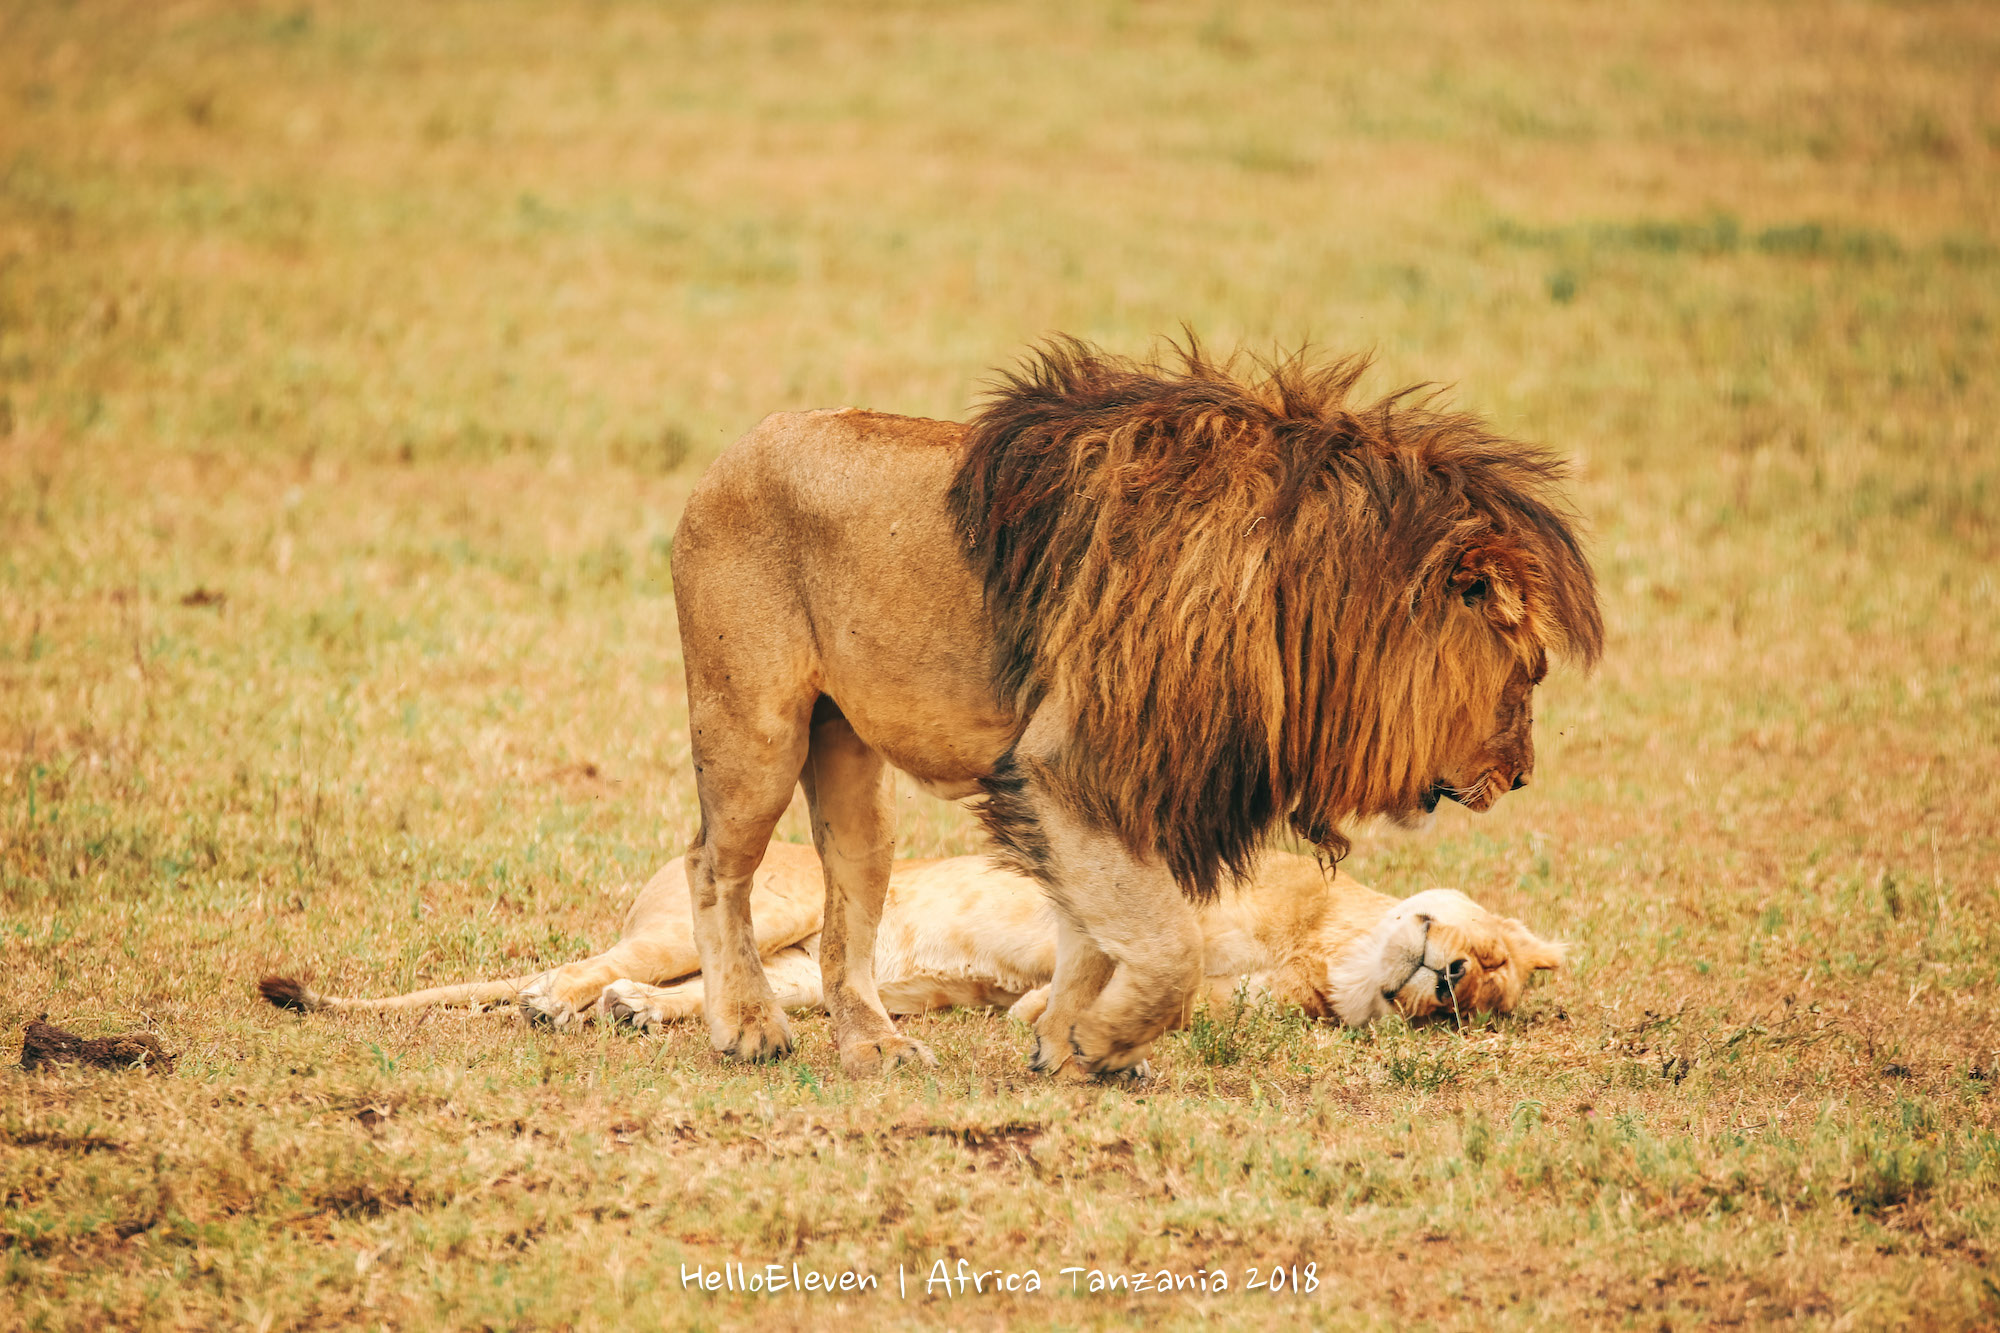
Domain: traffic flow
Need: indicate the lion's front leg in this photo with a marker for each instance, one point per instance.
(1082, 972)
(1149, 967)
(1129, 950)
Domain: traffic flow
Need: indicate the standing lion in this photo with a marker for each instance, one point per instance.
(1149, 612)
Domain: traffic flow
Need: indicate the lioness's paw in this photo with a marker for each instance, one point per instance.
(555, 1013)
(760, 1033)
(627, 1001)
(543, 1003)
(1030, 1007)
(1129, 1077)
(869, 1056)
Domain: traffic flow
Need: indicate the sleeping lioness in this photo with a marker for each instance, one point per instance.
(964, 932)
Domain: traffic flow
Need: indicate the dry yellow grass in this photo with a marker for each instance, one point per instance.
(397, 334)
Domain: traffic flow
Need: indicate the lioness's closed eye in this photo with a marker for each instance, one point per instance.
(963, 932)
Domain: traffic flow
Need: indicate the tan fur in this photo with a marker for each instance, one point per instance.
(1150, 613)
(967, 933)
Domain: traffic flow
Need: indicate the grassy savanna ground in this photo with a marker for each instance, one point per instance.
(354, 363)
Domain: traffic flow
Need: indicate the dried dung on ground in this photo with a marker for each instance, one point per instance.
(44, 1043)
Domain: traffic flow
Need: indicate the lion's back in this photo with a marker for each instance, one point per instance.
(822, 474)
(826, 538)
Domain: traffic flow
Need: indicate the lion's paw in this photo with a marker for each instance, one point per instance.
(1074, 1072)
(1063, 1062)
(1051, 1058)
(760, 1033)
(866, 1057)
(1068, 1072)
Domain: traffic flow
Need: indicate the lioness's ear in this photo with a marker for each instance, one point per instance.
(1485, 577)
(1530, 950)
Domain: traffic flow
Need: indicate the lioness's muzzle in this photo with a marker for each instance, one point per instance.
(1423, 948)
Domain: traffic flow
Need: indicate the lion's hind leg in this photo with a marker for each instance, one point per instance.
(746, 776)
(752, 680)
(845, 785)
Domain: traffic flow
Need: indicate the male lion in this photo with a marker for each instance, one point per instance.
(965, 932)
(1150, 612)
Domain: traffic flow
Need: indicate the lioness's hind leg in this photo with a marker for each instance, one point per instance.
(1030, 1007)
(567, 995)
(846, 784)
(793, 974)
(643, 1006)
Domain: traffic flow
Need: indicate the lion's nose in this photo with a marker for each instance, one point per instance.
(1520, 781)
(1449, 978)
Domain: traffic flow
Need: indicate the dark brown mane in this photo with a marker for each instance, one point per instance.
(1240, 588)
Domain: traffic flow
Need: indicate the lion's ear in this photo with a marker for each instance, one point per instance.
(1484, 577)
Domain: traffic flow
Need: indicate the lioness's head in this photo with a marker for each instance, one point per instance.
(1438, 953)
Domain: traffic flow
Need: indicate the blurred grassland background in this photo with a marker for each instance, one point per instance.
(355, 361)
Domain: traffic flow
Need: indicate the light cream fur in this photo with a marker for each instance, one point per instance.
(966, 933)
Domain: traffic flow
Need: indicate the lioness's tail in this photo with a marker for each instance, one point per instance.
(289, 994)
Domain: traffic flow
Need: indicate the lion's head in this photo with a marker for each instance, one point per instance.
(1255, 602)
(1437, 953)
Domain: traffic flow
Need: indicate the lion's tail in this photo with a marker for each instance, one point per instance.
(289, 994)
